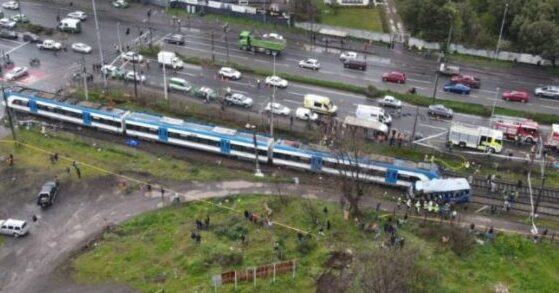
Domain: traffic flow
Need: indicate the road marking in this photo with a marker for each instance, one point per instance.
(294, 93)
(187, 73)
(15, 48)
(292, 101)
(239, 91)
(291, 59)
(550, 107)
(488, 91)
(431, 126)
(420, 81)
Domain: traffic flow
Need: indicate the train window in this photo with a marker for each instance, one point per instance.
(172, 134)
(20, 102)
(105, 121)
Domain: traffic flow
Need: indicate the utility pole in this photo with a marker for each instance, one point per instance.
(225, 30)
(273, 100)
(501, 31)
(213, 55)
(118, 35)
(495, 102)
(84, 77)
(99, 40)
(9, 112)
(135, 82)
(165, 84)
(436, 85)
(149, 26)
(542, 171)
(414, 126)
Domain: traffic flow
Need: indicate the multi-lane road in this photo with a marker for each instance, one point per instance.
(56, 69)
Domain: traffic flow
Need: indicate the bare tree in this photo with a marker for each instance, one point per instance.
(348, 149)
(394, 270)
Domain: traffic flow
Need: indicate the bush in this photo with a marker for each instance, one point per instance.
(149, 51)
(306, 246)
(38, 29)
(232, 229)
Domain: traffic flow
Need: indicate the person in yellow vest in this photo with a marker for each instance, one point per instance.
(436, 209)
(418, 206)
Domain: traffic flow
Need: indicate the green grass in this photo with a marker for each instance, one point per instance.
(154, 251)
(355, 18)
(481, 61)
(114, 157)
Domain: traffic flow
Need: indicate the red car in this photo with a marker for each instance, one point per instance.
(516, 96)
(394, 76)
(468, 80)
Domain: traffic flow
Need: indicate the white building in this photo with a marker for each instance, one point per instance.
(349, 2)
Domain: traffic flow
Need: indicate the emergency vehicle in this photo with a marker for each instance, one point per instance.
(525, 129)
(552, 141)
(479, 138)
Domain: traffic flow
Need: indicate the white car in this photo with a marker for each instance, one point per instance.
(7, 23)
(81, 48)
(309, 63)
(276, 81)
(305, 114)
(14, 5)
(77, 15)
(133, 57)
(390, 101)
(120, 3)
(131, 77)
(277, 108)
(13, 227)
(228, 72)
(16, 73)
(239, 99)
(108, 69)
(348, 55)
(273, 36)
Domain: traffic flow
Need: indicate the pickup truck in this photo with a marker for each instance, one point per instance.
(449, 70)
(47, 195)
(49, 45)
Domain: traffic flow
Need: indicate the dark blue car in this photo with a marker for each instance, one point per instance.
(457, 88)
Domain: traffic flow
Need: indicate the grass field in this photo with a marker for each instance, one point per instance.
(355, 18)
(154, 251)
(114, 157)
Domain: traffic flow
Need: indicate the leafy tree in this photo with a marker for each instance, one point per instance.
(541, 37)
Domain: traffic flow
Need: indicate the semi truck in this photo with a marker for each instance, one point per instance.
(169, 59)
(479, 138)
(249, 42)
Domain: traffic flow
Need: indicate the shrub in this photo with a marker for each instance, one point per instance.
(232, 229)
(306, 246)
(149, 51)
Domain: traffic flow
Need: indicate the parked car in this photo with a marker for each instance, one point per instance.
(273, 36)
(134, 76)
(78, 15)
(19, 18)
(133, 57)
(394, 76)
(13, 5)
(277, 108)
(81, 48)
(468, 80)
(440, 111)
(31, 37)
(457, 88)
(120, 4)
(16, 73)
(177, 39)
(309, 63)
(107, 69)
(516, 96)
(355, 64)
(8, 34)
(276, 81)
(348, 55)
(49, 45)
(390, 101)
(305, 114)
(228, 72)
(239, 99)
(7, 23)
(549, 91)
(13, 227)
(47, 195)
(205, 92)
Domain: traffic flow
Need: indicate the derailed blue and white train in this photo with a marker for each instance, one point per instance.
(218, 140)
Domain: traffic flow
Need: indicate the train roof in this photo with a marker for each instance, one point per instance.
(76, 104)
(442, 185)
(378, 160)
(205, 129)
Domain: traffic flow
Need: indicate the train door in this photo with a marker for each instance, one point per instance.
(316, 164)
(87, 118)
(225, 146)
(391, 176)
(163, 134)
(33, 106)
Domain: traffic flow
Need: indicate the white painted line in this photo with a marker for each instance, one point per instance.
(431, 126)
(239, 91)
(294, 93)
(488, 91)
(550, 107)
(186, 73)
(15, 48)
(291, 59)
(420, 81)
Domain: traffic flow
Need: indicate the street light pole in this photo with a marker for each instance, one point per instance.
(165, 84)
(213, 55)
(273, 100)
(501, 31)
(99, 40)
(118, 35)
(85, 78)
(9, 112)
(436, 85)
(414, 126)
(257, 171)
(495, 102)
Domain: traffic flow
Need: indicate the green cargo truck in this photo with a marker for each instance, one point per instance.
(250, 42)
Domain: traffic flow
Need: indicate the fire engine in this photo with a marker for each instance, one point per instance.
(525, 130)
(552, 141)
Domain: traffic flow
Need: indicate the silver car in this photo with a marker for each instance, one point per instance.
(440, 111)
(547, 92)
(81, 48)
(239, 99)
(16, 73)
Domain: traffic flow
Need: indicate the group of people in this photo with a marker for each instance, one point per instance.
(427, 204)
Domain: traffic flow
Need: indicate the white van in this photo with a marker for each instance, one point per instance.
(179, 84)
(70, 25)
(319, 104)
(373, 113)
(13, 227)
